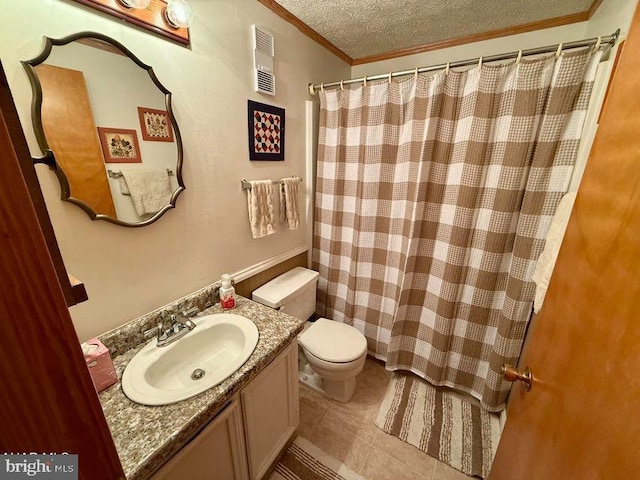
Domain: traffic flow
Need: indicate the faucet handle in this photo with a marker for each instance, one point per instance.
(191, 312)
(155, 331)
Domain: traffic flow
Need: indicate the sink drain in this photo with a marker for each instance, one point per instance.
(197, 374)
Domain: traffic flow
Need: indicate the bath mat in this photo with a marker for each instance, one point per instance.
(440, 424)
(305, 461)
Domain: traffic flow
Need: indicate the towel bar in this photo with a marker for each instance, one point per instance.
(118, 174)
(246, 185)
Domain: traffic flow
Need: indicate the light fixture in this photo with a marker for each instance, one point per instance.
(141, 4)
(178, 14)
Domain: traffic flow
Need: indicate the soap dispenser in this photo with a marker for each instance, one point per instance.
(227, 293)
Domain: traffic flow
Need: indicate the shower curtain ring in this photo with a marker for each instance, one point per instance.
(364, 81)
(480, 63)
(390, 78)
(559, 51)
(416, 74)
(312, 90)
(446, 70)
(597, 45)
(342, 84)
(322, 87)
(519, 57)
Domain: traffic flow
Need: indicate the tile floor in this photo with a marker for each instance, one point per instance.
(348, 433)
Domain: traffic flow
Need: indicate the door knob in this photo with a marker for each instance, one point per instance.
(510, 374)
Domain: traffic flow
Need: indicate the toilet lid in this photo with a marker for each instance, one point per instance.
(333, 341)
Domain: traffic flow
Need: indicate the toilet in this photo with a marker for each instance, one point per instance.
(330, 354)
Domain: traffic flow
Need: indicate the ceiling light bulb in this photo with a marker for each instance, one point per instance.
(179, 13)
(142, 4)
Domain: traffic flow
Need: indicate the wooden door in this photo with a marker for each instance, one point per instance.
(47, 400)
(581, 419)
(71, 133)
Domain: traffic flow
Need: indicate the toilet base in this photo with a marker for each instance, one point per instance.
(339, 390)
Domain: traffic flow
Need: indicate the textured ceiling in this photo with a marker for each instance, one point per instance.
(361, 28)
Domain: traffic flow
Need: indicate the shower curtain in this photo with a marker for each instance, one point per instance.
(434, 195)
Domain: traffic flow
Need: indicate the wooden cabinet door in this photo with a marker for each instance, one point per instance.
(580, 419)
(270, 407)
(217, 453)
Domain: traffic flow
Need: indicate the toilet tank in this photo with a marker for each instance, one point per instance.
(293, 292)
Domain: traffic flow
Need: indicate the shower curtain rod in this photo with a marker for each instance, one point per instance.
(608, 40)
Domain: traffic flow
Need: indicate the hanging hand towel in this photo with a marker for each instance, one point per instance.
(547, 260)
(289, 200)
(260, 202)
(122, 183)
(150, 189)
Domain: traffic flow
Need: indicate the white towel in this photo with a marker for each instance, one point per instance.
(122, 183)
(260, 203)
(289, 200)
(549, 255)
(150, 189)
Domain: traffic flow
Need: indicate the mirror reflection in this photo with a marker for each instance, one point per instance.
(108, 121)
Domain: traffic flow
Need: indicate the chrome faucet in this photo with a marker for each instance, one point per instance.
(173, 327)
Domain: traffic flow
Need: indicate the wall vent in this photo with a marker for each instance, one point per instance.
(263, 53)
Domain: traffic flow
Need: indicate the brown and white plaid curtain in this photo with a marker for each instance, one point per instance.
(434, 196)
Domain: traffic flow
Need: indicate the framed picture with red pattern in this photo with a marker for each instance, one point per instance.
(155, 125)
(119, 145)
(266, 131)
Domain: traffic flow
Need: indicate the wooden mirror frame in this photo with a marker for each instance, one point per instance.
(49, 158)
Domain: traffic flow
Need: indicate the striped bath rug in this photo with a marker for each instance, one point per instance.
(440, 424)
(304, 461)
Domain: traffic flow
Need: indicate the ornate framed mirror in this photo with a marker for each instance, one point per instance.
(106, 127)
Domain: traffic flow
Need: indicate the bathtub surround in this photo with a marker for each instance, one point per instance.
(441, 424)
(146, 437)
(547, 261)
(434, 196)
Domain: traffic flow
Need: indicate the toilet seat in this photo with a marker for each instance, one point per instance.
(333, 342)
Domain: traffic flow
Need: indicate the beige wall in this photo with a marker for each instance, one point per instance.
(472, 50)
(611, 14)
(129, 272)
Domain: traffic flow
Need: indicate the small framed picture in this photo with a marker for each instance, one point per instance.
(155, 125)
(266, 131)
(119, 145)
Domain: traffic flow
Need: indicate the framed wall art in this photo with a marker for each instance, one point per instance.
(266, 131)
(155, 125)
(119, 145)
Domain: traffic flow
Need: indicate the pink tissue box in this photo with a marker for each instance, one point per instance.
(100, 365)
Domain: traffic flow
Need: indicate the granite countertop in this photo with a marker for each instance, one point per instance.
(146, 437)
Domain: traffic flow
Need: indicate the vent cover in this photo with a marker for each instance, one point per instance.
(263, 53)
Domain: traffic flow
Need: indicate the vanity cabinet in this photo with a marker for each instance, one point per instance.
(270, 404)
(218, 452)
(244, 440)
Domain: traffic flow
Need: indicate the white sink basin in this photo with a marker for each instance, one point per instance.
(217, 347)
